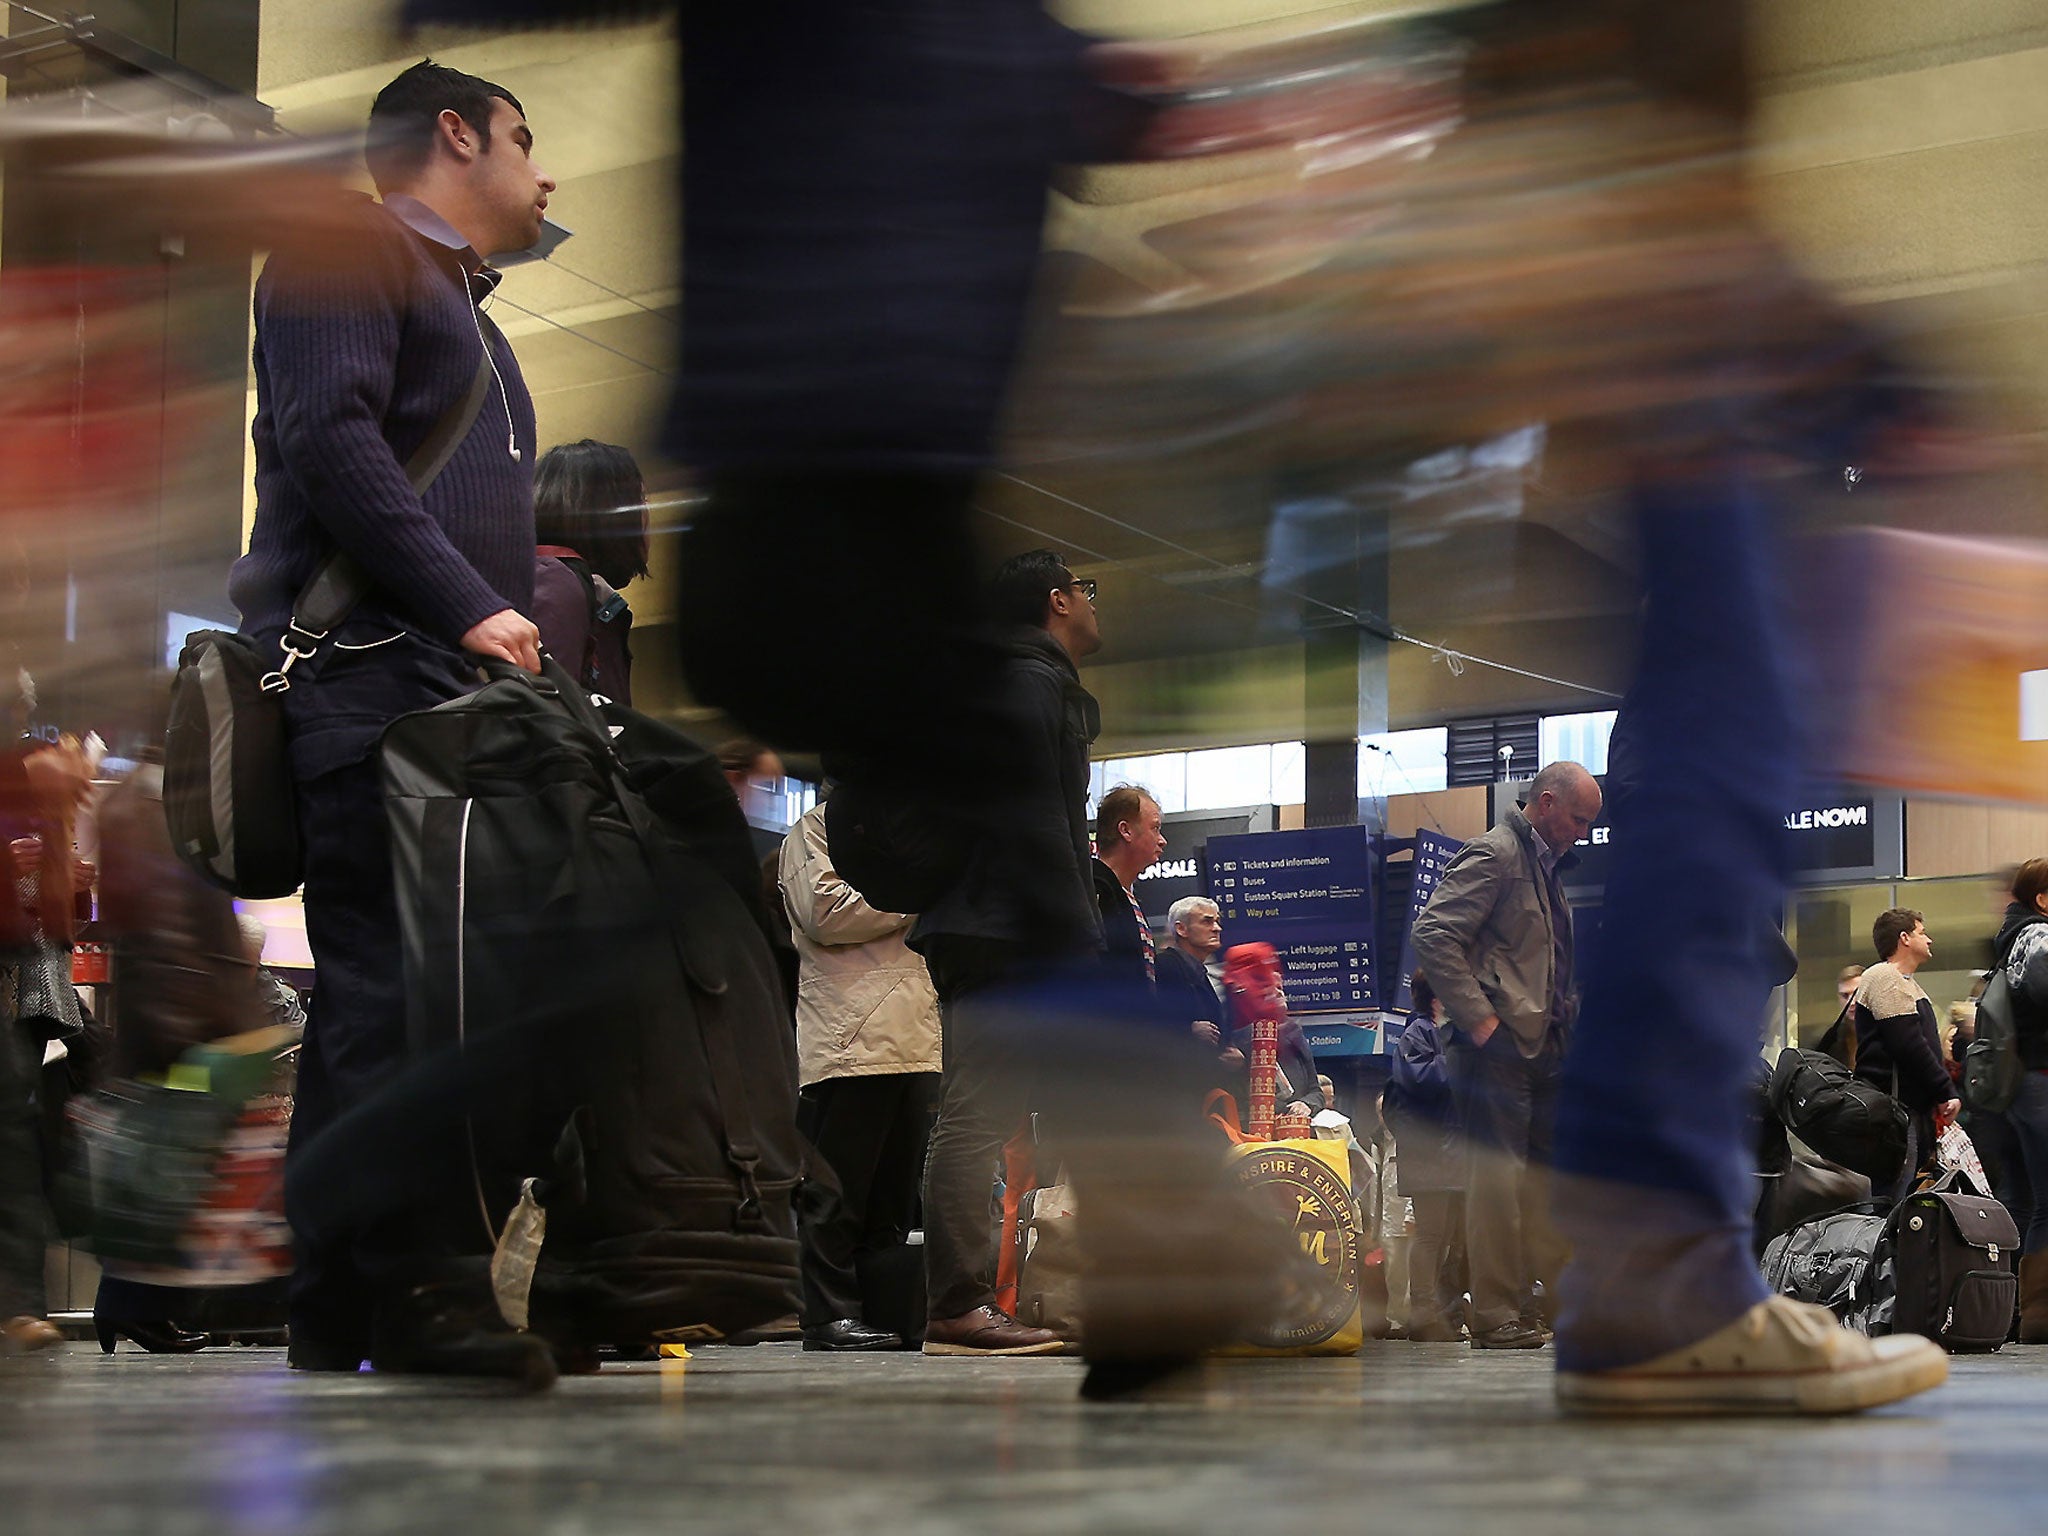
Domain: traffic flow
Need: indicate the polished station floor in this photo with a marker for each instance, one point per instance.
(1414, 1438)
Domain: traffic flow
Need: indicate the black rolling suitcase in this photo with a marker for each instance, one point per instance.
(592, 956)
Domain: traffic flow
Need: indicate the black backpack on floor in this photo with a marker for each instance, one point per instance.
(1955, 1256)
(604, 965)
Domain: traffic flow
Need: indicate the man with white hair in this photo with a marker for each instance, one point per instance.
(1197, 929)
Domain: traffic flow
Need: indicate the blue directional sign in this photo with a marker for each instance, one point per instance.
(1339, 1035)
(1310, 895)
(1320, 876)
(1433, 854)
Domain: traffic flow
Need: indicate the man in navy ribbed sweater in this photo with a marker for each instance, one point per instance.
(362, 345)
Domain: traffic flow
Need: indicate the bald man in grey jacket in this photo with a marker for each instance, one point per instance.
(1496, 942)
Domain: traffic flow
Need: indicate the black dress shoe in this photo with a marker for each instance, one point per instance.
(1514, 1335)
(160, 1336)
(850, 1334)
(130, 1309)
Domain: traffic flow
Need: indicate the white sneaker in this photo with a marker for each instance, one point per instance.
(1781, 1356)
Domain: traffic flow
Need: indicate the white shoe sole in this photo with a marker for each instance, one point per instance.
(1904, 1365)
(1056, 1347)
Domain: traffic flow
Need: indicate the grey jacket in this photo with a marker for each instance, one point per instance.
(1484, 939)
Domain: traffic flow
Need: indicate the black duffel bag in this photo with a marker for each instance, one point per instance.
(614, 992)
(1843, 1118)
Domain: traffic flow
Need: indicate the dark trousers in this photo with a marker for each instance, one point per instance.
(24, 1222)
(1655, 1155)
(355, 1034)
(2028, 1118)
(870, 1132)
(985, 1092)
(1508, 1107)
(1437, 1270)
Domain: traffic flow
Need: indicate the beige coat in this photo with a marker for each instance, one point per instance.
(864, 1002)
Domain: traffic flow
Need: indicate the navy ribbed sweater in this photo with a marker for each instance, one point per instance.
(361, 345)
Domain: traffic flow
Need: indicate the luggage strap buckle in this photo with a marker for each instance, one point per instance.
(278, 681)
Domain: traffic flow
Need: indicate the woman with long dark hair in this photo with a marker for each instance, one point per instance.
(590, 532)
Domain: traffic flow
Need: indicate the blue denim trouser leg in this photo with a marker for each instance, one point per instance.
(1656, 1171)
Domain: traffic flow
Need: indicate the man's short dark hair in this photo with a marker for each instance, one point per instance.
(1892, 926)
(588, 496)
(1121, 804)
(1422, 996)
(407, 114)
(1023, 587)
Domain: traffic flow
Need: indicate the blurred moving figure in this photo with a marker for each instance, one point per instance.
(590, 524)
(388, 312)
(185, 976)
(753, 770)
(1127, 843)
(1421, 1110)
(41, 790)
(1898, 1038)
(1023, 907)
(1496, 943)
(867, 1040)
(2022, 952)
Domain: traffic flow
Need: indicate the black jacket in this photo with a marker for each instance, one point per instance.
(1185, 987)
(2022, 951)
(1123, 946)
(1027, 881)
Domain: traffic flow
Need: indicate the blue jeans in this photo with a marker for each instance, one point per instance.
(1656, 1170)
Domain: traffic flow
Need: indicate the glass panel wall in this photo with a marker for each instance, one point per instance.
(1404, 762)
(1829, 928)
(1579, 739)
(1962, 919)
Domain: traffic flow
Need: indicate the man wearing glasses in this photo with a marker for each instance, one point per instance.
(1022, 908)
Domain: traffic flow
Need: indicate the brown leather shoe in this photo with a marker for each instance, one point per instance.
(23, 1335)
(987, 1331)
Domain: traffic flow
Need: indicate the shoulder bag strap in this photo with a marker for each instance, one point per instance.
(580, 569)
(339, 584)
(1826, 1043)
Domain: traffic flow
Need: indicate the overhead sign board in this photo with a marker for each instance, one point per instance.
(1833, 837)
(1310, 895)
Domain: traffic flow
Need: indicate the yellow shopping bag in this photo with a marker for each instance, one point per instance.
(1308, 1184)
